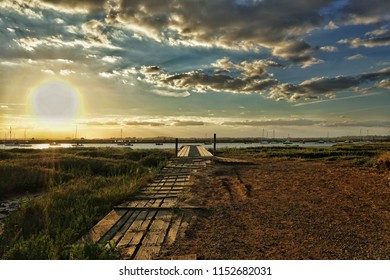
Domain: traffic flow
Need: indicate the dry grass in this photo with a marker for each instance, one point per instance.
(383, 161)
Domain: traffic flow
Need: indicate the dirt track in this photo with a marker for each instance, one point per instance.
(289, 209)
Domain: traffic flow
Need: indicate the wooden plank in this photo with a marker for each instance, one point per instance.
(137, 230)
(104, 225)
(173, 230)
(203, 152)
(121, 232)
(122, 222)
(155, 236)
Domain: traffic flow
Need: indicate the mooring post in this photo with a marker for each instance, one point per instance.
(177, 147)
(215, 144)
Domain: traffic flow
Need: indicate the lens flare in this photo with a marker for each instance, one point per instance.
(55, 101)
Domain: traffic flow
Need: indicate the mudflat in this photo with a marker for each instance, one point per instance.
(275, 208)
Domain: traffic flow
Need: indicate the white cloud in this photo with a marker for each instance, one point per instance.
(331, 26)
(111, 59)
(355, 57)
(171, 93)
(66, 72)
(48, 71)
(329, 49)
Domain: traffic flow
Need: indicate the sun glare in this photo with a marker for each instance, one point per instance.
(55, 102)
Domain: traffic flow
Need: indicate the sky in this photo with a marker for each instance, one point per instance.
(238, 68)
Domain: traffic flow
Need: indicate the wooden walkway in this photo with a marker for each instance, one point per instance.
(154, 217)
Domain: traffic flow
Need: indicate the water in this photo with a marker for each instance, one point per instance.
(11, 205)
(169, 145)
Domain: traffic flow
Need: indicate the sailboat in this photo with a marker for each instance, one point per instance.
(78, 144)
(122, 142)
(25, 144)
(10, 143)
(288, 141)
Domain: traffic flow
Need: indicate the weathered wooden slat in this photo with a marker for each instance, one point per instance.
(173, 230)
(104, 225)
(121, 232)
(136, 231)
(110, 234)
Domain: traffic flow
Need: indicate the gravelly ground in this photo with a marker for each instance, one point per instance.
(289, 209)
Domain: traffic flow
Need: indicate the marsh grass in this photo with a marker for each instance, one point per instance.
(80, 186)
(360, 154)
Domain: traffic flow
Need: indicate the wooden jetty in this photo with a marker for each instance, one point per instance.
(154, 217)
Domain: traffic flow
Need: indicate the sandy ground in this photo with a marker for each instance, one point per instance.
(289, 209)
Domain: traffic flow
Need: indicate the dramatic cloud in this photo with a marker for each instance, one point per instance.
(240, 25)
(384, 84)
(297, 51)
(314, 88)
(376, 38)
(365, 12)
(202, 82)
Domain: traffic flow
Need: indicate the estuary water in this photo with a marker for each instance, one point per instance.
(168, 145)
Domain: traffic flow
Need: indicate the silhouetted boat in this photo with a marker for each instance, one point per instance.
(14, 144)
(77, 145)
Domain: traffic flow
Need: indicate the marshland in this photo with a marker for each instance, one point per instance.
(62, 193)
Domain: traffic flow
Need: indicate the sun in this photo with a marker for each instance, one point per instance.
(55, 101)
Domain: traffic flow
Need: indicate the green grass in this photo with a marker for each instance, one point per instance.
(79, 187)
(360, 154)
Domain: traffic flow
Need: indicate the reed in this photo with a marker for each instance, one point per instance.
(79, 187)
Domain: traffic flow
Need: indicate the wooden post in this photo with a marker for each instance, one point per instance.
(215, 144)
(177, 147)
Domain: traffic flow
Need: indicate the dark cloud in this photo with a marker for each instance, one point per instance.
(150, 69)
(189, 123)
(227, 23)
(245, 77)
(200, 81)
(376, 38)
(314, 88)
(365, 12)
(144, 123)
(373, 76)
(297, 51)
